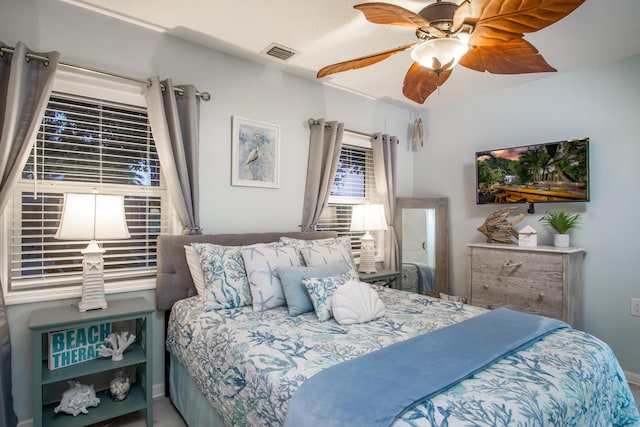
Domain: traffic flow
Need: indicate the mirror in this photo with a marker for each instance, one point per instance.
(421, 227)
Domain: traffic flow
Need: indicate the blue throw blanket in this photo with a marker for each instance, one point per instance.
(374, 389)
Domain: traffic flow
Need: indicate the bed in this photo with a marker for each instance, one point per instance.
(241, 366)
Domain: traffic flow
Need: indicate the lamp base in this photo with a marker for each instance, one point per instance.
(92, 279)
(367, 254)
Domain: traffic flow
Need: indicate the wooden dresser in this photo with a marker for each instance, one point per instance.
(541, 280)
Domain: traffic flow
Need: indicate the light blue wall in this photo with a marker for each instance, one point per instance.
(602, 103)
(238, 87)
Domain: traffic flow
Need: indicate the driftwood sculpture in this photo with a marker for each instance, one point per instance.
(497, 227)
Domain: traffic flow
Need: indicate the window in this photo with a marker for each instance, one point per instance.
(84, 143)
(353, 184)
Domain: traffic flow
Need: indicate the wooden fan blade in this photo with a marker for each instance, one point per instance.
(385, 13)
(420, 82)
(500, 20)
(362, 62)
(516, 56)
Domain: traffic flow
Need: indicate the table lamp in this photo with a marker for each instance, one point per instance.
(92, 217)
(368, 218)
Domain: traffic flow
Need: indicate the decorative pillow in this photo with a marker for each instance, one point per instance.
(321, 290)
(226, 284)
(320, 254)
(356, 302)
(304, 245)
(295, 292)
(262, 264)
(193, 261)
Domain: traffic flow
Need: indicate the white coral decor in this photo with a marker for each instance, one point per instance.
(115, 345)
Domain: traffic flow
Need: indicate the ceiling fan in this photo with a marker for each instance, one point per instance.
(483, 35)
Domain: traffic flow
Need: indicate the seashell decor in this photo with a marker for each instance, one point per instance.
(77, 399)
(356, 302)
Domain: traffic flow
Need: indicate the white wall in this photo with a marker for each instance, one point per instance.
(238, 87)
(602, 103)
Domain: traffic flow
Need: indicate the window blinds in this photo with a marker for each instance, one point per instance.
(354, 183)
(86, 143)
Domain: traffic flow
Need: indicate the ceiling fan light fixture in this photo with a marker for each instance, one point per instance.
(439, 54)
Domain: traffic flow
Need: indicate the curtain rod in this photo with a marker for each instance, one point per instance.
(313, 122)
(205, 96)
(328, 126)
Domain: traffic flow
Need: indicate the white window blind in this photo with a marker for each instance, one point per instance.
(86, 143)
(354, 183)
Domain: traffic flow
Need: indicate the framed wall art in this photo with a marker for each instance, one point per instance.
(255, 153)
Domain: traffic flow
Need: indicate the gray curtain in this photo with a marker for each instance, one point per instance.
(175, 121)
(25, 86)
(325, 143)
(385, 150)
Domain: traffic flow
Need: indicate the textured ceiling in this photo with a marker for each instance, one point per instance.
(329, 31)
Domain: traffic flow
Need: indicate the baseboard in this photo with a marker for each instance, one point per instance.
(632, 378)
(158, 390)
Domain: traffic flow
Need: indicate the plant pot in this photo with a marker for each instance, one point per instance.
(561, 240)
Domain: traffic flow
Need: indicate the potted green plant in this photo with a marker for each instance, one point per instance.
(562, 223)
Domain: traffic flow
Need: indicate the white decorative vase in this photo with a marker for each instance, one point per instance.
(561, 240)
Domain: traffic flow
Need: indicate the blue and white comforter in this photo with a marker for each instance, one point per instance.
(249, 364)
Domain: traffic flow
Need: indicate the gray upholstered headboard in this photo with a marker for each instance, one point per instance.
(173, 280)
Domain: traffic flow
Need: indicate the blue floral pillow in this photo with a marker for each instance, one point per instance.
(226, 284)
(296, 294)
(321, 290)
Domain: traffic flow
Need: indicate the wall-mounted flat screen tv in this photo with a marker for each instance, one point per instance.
(540, 173)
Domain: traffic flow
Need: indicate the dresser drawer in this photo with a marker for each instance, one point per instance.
(524, 281)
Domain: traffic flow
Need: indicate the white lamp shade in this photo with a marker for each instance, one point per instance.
(439, 54)
(368, 218)
(92, 217)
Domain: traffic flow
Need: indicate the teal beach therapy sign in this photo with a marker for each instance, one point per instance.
(73, 346)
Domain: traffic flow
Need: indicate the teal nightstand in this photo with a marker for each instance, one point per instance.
(137, 359)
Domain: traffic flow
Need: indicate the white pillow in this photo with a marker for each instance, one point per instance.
(261, 264)
(193, 261)
(304, 246)
(356, 302)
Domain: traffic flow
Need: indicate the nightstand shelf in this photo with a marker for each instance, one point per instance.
(135, 401)
(137, 360)
(135, 355)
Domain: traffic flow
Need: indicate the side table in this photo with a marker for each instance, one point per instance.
(137, 358)
(389, 278)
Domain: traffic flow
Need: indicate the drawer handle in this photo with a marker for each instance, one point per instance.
(541, 296)
(511, 263)
(486, 286)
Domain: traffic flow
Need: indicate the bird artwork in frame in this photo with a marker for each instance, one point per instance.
(255, 153)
